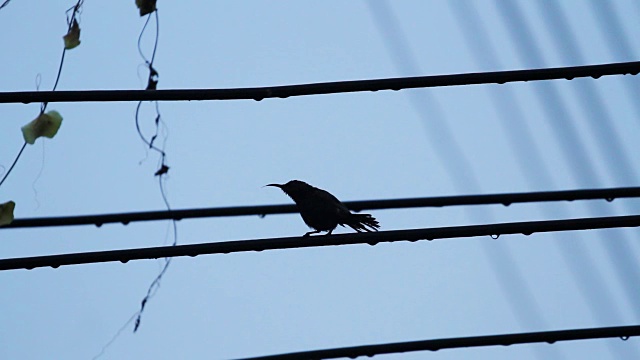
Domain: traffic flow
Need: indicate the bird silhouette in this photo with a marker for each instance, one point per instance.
(324, 212)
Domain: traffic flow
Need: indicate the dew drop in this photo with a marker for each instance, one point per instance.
(506, 203)
(124, 261)
(495, 236)
(98, 224)
(624, 338)
(551, 342)
(125, 223)
(610, 199)
(55, 266)
(262, 216)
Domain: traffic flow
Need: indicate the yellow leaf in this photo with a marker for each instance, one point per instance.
(72, 39)
(6, 212)
(46, 124)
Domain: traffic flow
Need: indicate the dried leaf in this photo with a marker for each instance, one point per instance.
(6, 212)
(46, 124)
(146, 6)
(163, 170)
(72, 39)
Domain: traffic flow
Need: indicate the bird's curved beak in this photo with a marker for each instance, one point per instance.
(275, 185)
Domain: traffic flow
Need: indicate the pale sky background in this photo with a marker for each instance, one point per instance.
(554, 135)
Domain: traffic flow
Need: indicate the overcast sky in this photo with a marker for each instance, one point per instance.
(481, 139)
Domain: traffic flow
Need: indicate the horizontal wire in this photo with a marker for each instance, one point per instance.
(608, 194)
(550, 337)
(259, 93)
(372, 238)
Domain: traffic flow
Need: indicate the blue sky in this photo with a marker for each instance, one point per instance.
(517, 137)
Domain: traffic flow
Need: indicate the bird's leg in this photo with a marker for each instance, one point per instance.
(311, 232)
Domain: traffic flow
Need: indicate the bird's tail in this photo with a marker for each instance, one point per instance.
(362, 222)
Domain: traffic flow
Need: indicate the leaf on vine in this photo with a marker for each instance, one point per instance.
(146, 6)
(6, 212)
(46, 124)
(163, 170)
(72, 39)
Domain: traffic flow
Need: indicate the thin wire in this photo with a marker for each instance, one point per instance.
(155, 284)
(5, 3)
(151, 85)
(144, 139)
(140, 40)
(115, 337)
(14, 163)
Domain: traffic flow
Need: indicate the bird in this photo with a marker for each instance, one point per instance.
(322, 211)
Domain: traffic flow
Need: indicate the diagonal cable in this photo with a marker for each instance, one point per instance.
(460, 171)
(574, 151)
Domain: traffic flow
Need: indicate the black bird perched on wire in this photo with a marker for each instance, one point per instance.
(322, 211)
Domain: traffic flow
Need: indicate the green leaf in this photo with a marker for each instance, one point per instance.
(46, 124)
(6, 212)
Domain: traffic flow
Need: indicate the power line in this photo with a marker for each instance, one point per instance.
(550, 337)
(259, 93)
(608, 194)
(373, 238)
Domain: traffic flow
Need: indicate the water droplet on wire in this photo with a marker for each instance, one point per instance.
(495, 236)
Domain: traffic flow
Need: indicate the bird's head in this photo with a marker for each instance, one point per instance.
(294, 188)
